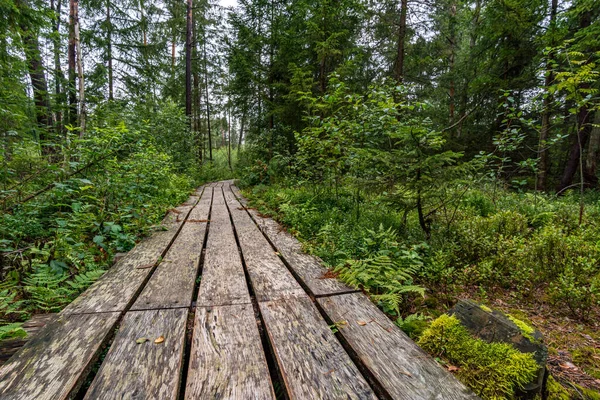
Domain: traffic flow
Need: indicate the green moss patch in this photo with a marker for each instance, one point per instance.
(485, 308)
(492, 370)
(526, 330)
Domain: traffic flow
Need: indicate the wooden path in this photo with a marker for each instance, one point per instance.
(222, 304)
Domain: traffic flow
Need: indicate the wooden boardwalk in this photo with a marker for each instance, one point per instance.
(222, 304)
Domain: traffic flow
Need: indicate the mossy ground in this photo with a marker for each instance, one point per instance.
(492, 370)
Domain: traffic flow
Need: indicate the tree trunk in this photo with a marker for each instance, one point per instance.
(207, 98)
(59, 77)
(229, 137)
(546, 116)
(452, 40)
(581, 138)
(464, 98)
(196, 93)
(399, 61)
(591, 163)
(80, 73)
(188, 60)
(72, 56)
(39, 84)
(242, 122)
(582, 131)
(109, 52)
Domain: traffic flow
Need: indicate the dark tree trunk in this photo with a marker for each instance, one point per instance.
(80, 73)
(591, 162)
(452, 42)
(546, 116)
(109, 52)
(71, 56)
(582, 131)
(399, 61)
(36, 70)
(188, 60)
(59, 77)
(580, 140)
(196, 94)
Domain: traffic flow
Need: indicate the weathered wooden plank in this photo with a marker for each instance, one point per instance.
(227, 359)
(312, 362)
(55, 361)
(202, 209)
(307, 268)
(401, 367)
(193, 199)
(148, 370)
(269, 276)
(223, 280)
(172, 284)
(8, 347)
(115, 290)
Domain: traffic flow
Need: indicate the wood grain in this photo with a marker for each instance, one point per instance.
(172, 284)
(116, 289)
(312, 362)
(227, 359)
(146, 370)
(307, 268)
(53, 363)
(269, 276)
(397, 363)
(223, 281)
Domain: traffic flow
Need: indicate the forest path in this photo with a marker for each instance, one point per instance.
(222, 304)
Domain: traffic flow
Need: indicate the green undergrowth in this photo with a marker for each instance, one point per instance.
(526, 247)
(61, 241)
(492, 370)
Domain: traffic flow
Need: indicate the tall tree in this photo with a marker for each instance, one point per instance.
(36, 72)
(188, 59)
(400, 47)
(547, 103)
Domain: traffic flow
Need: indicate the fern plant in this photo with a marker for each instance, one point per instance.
(386, 280)
(46, 290)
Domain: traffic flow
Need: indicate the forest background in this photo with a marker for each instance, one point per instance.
(425, 150)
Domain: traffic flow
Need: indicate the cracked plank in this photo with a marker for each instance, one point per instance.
(401, 367)
(223, 280)
(148, 370)
(312, 362)
(270, 277)
(116, 289)
(227, 360)
(54, 363)
(172, 284)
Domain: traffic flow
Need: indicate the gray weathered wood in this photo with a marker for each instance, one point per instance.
(202, 209)
(54, 362)
(172, 284)
(308, 269)
(269, 276)
(116, 289)
(223, 281)
(8, 347)
(227, 359)
(397, 363)
(193, 199)
(312, 362)
(148, 370)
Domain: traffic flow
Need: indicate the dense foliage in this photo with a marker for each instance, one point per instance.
(424, 150)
